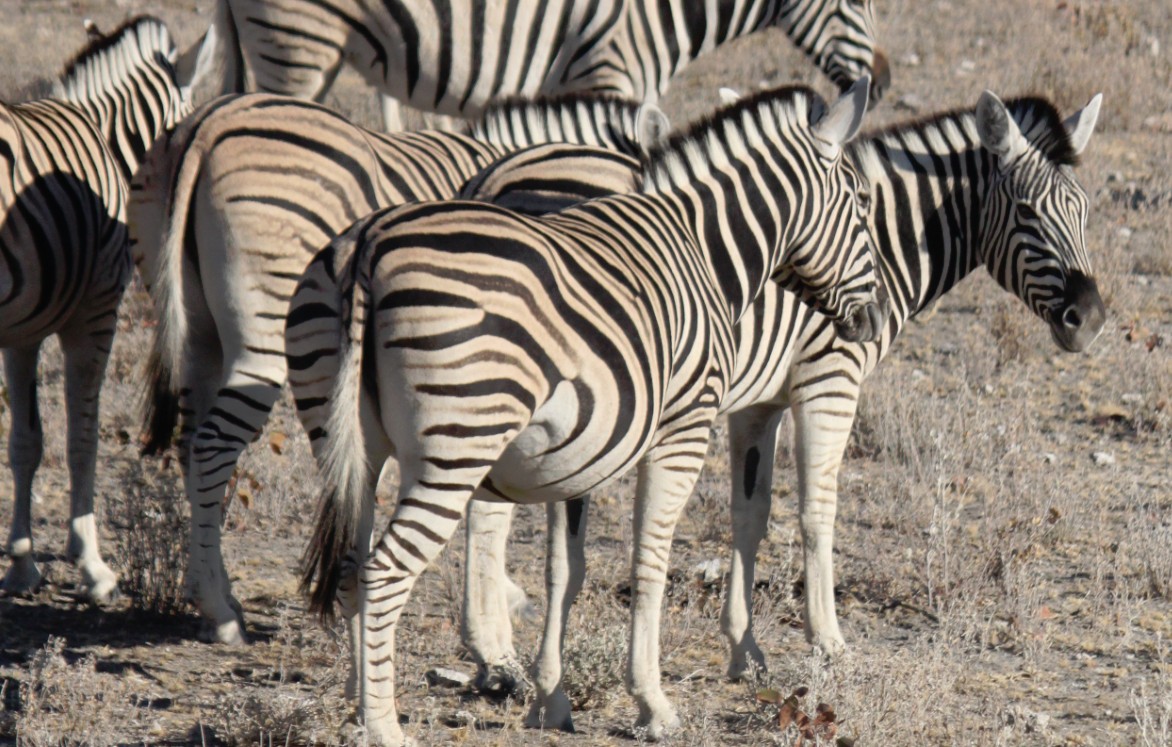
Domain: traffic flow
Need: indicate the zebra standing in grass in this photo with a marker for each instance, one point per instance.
(991, 186)
(64, 260)
(227, 211)
(455, 57)
(536, 359)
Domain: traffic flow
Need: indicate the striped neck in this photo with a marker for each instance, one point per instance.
(602, 120)
(125, 83)
(737, 182)
(929, 181)
(679, 31)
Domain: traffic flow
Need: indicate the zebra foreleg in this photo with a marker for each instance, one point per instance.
(565, 571)
(86, 353)
(486, 627)
(752, 446)
(664, 485)
(25, 447)
(819, 443)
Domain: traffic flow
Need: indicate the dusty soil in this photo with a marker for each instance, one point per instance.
(1004, 540)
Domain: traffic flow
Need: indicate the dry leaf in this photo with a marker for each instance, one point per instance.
(1045, 613)
(277, 442)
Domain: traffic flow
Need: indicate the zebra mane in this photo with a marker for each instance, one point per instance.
(585, 117)
(690, 150)
(97, 68)
(1037, 118)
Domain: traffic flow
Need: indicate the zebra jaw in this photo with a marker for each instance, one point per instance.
(866, 323)
(1077, 322)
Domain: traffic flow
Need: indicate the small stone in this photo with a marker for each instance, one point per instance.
(1159, 122)
(1132, 398)
(910, 102)
(911, 59)
(966, 67)
(1125, 232)
(709, 571)
(441, 677)
(1103, 458)
(1049, 457)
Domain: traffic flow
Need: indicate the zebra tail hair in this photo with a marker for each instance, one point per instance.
(172, 209)
(345, 471)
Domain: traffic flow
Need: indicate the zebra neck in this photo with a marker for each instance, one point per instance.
(676, 32)
(928, 183)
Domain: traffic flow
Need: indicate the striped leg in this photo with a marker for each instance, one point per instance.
(237, 415)
(431, 503)
(486, 627)
(752, 446)
(25, 447)
(820, 439)
(665, 481)
(565, 571)
(86, 352)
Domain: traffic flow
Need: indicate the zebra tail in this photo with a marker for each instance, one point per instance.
(345, 470)
(171, 208)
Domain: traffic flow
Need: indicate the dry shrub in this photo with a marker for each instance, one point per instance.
(595, 659)
(1012, 327)
(1151, 702)
(150, 516)
(287, 705)
(72, 705)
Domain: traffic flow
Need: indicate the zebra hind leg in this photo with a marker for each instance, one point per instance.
(486, 627)
(237, 415)
(86, 352)
(565, 572)
(25, 447)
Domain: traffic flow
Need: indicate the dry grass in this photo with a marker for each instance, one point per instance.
(997, 585)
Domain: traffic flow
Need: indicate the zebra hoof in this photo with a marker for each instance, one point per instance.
(501, 681)
(229, 633)
(23, 577)
(99, 583)
(553, 712)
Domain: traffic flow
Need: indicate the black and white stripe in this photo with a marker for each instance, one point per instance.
(535, 359)
(454, 57)
(987, 187)
(226, 214)
(64, 260)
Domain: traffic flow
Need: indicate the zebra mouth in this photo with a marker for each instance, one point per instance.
(867, 322)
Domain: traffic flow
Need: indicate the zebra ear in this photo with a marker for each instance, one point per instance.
(996, 128)
(728, 96)
(844, 117)
(651, 126)
(1081, 124)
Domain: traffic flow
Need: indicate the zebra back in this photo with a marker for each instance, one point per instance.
(126, 83)
(597, 119)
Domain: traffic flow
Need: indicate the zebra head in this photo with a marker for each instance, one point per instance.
(839, 35)
(1033, 224)
(125, 81)
(832, 252)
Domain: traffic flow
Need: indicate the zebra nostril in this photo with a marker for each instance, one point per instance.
(1071, 318)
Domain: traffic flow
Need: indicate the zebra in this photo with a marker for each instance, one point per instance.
(535, 359)
(226, 212)
(64, 260)
(482, 51)
(988, 186)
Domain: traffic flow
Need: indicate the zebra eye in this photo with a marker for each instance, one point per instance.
(1026, 212)
(864, 199)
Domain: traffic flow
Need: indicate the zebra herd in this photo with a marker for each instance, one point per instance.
(519, 314)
